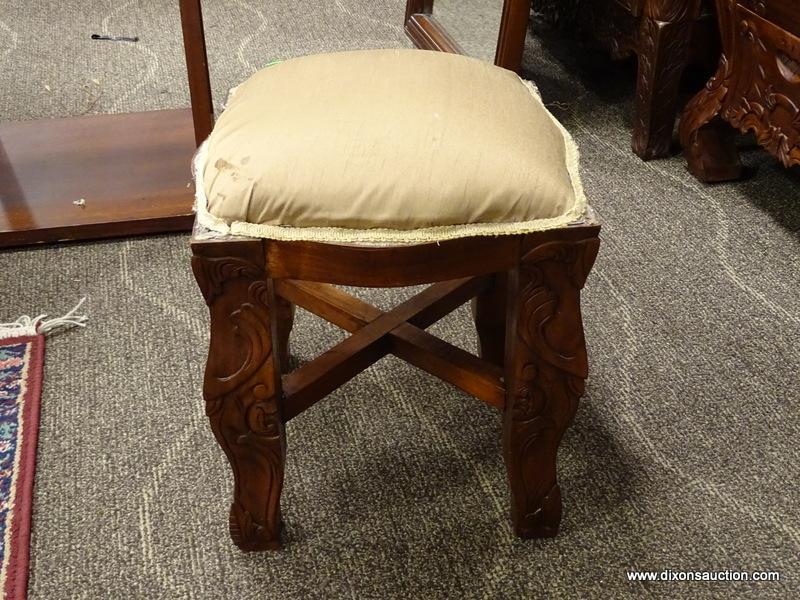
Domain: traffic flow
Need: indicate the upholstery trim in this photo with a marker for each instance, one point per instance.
(396, 236)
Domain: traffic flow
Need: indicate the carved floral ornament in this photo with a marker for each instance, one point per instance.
(773, 116)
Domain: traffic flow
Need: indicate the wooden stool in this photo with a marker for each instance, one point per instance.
(389, 168)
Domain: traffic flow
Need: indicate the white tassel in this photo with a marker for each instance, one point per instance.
(26, 325)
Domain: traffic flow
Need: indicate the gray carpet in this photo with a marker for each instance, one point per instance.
(683, 455)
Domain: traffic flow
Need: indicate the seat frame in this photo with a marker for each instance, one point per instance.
(525, 292)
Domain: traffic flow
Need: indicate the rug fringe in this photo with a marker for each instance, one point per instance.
(40, 325)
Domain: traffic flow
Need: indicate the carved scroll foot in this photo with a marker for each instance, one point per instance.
(711, 155)
(708, 142)
(242, 385)
(545, 372)
(489, 313)
(663, 54)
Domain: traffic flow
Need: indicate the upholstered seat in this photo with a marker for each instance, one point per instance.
(386, 145)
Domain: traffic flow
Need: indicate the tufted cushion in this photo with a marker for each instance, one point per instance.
(386, 145)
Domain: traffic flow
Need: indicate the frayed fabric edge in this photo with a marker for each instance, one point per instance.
(441, 233)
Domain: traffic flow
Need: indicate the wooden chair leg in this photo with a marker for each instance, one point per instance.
(663, 54)
(242, 384)
(489, 313)
(546, 365)
(284, 315)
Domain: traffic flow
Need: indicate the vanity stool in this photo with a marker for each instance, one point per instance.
(389, 168)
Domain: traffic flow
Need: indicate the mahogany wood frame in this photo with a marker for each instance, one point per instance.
(526, 303)
(194, 43)
(427, 33)
(525, 291)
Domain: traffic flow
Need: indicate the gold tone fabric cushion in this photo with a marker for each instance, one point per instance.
(386, 146)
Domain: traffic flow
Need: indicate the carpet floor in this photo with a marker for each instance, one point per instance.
(683, 454)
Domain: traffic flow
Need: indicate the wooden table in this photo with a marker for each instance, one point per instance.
(107, 175)
(97, 176)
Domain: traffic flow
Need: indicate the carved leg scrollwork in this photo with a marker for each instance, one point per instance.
(663, 49)
(545, 372)
(242, 385)
(663, 55)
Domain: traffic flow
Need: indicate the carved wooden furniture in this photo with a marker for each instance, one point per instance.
(756, 88)
(428, 33)
(527, 314)
(659, 32)
(525, 286)
(130, 169)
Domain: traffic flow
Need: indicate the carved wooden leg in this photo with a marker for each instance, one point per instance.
(284, 311)
(708, 142)
(663, 54)
(545, 371)
(242, 384)
(489, 313)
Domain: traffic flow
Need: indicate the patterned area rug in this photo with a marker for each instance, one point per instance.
(21, 374)
(21, 362)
